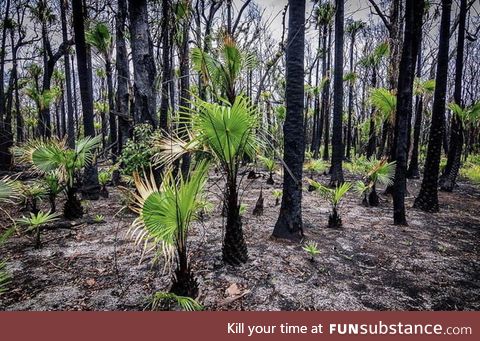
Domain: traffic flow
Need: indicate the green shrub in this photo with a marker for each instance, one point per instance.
(137, 151)
(471, 169)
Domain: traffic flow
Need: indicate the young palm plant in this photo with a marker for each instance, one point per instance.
(36, 221)
(277, 194)
(9, 192)
(32, 194)
(104, 177)
(5, 277)
(168, 299)
(334, 196)
(226, 134)
(314, 166)
(165, 214)
(48, 155)
(385, 102)
(380, 173)
(54, 187)
(271, 166)
(222, 72)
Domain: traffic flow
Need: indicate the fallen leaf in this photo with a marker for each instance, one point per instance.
(233, 290)
(91, 282)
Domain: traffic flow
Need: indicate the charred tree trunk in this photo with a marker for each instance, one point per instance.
(449, 176)
(68, 81)
(427, 199)
(289, 224)
(144, 64)
(372, 136)
(184, 102)
(112, 119)
(5, 124)
(413, 171)
(91, 188)
(123, 76)
(413, 26)
(166, 65)
(234, 251)
(350, 99)
(337, 142)
(326, 101)
(319, 125)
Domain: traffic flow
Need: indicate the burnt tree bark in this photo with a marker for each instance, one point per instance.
(144, 65)
(289, 224)
(449, 176)
(427, 199)
(337, 142)
(413, 171)
(123, 76)
(413, 26)
(166, 65)
(91, 188)
(68, 80)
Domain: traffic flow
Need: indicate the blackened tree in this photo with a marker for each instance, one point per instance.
(447, 180)
(427, 199)
(413, 26)
(337, 143)
(91, 188)
(289, 224)
(144, 66)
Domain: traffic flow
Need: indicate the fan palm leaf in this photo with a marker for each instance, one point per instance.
(166, 211)
(382, 172)
(384, 101)
(9, 190)
(184, 302)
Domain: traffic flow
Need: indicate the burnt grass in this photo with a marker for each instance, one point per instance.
(369, 264)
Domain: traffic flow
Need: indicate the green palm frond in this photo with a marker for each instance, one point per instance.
(5, 235)
(317, 165)
(376, 56)
(185, 303)
(85, 148)
(324, 13)
(340, 191)
(381, 50)
(9, 190)
(354, 26)
(333, 195)
(350, 77)
(52, 181)
(311, 248)
(269, 164)
(37, 220)
(382, 172)
(227, 133)
(466, 115)
(222, 71)
(104, 177)
(35, 190)
(384, 101)
(100, 38)
(474, 112)
(361, 187)
(423, 87)
(277, 193)
(209, 68)
(43, 99)
(4, 277)
(45, 156)
(165, 212)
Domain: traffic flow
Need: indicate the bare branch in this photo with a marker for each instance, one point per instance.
(382, 16)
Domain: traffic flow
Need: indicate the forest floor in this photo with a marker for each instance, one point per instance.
(369, 264)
